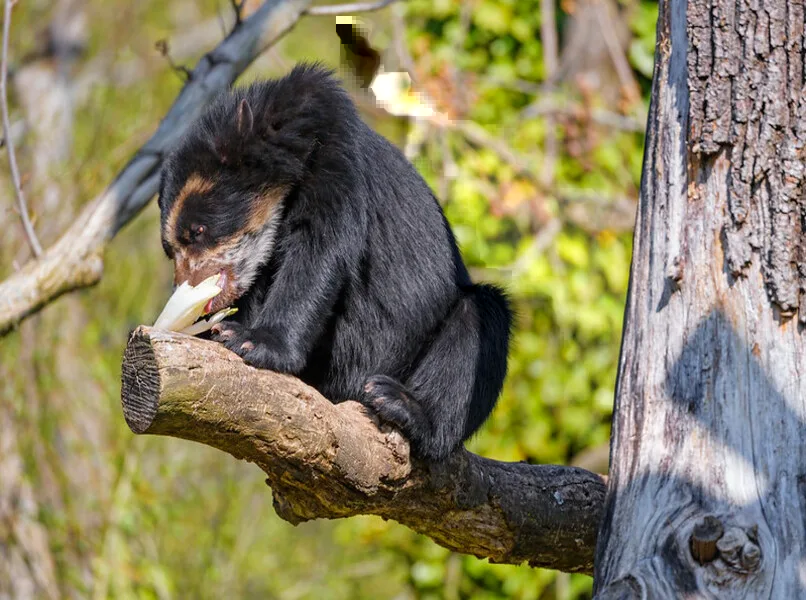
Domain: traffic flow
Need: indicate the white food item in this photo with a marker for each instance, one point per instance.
(186, 305)
(207, 324)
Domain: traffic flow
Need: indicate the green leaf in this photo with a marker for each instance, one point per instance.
(493, 16)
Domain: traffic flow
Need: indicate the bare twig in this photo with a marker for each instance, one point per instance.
(237, 8)
(594, 212)
(476, 134)
(548, 37)
(614, 120)
(544, 106)
(539, 244)
(164, 49)
(622, 65)
(12, 157)
(529, 88)
(465, 20)
(348, 9)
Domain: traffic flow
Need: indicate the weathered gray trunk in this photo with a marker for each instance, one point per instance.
(707, 495)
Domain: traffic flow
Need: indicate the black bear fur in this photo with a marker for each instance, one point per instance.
(338, 257)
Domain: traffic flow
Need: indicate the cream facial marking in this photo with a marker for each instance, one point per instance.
(195, 184)
(239, 256)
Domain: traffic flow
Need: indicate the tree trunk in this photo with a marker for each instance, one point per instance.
(707, 494)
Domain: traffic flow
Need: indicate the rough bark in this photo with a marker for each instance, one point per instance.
(707, 496)
(76, 259)
(330, 461)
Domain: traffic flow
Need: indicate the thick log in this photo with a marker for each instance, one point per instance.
(330, 461)
(707, 494)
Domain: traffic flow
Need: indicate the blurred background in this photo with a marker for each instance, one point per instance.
(538, 171)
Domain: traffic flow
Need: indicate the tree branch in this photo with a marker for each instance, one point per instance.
(12, 157)
(75, 261)
(347, 9)
(331, 461)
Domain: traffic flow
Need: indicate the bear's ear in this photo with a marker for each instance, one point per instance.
(228, 147)
(245, 120)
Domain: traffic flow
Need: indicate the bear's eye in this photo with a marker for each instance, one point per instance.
(169, 252)
(196, 232)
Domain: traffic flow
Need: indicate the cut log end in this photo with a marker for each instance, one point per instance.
(141, 382)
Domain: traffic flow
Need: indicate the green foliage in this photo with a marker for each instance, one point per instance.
(642, 46)
(134, 517)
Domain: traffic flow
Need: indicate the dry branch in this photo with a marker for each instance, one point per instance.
(346, 9)
(332, 461)
(75, 260)
(12, 158)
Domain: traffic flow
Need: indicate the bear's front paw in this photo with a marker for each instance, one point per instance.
(246, 343)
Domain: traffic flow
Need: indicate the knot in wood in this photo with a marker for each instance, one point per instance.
(751, 556)
(739, 551)
(704, 538)
(675, 270)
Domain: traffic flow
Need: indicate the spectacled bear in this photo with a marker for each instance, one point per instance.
(338, 257)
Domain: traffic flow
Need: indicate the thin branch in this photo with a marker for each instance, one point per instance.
(544, 106)
(551, 61)
(607, 118)
(12, 157)
(348, 9)
(237, 8)
(465, 21)
(476, 134)
(539, 244)
(181, 70)
(76, 260)
(548, 37)
(333, 461)
(620, 63)
(529, 88)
